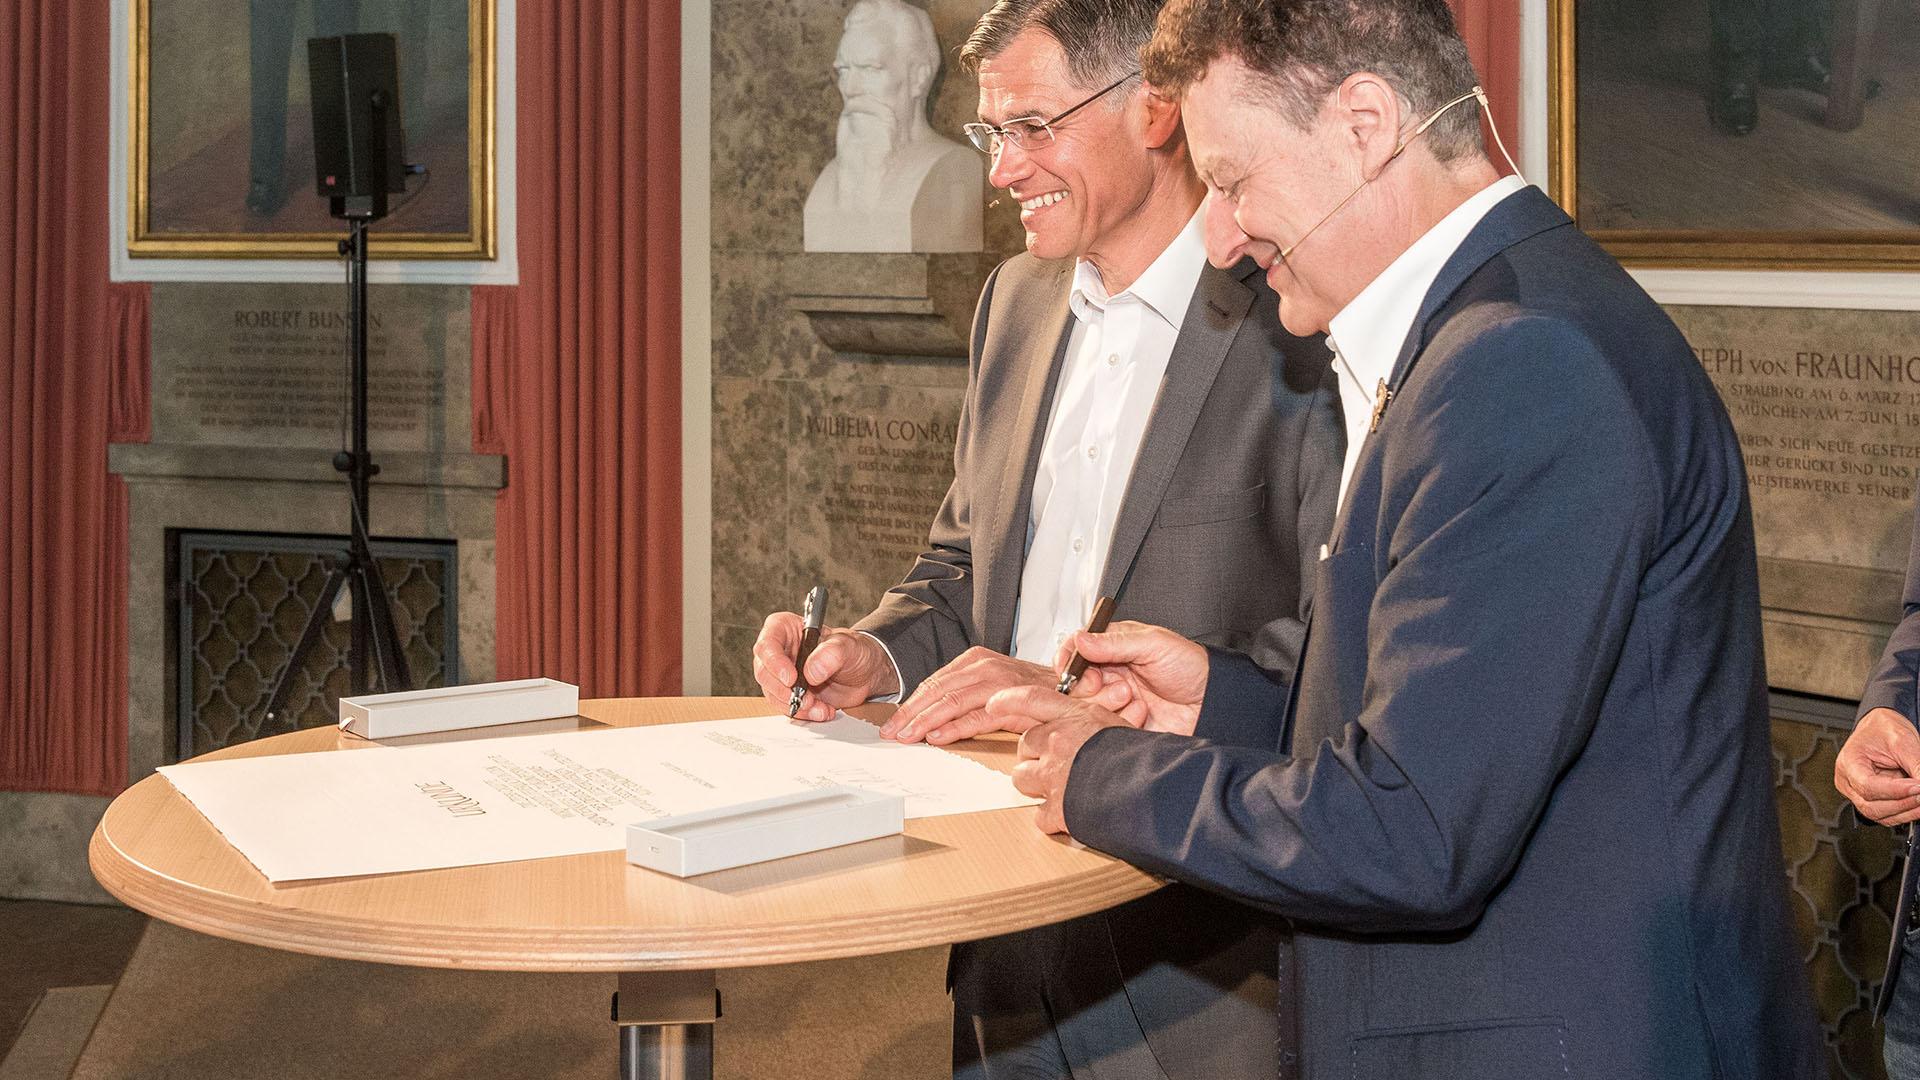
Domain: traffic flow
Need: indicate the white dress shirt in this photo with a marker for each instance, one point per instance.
(1367, 335)
(1116, 358)
(1109, 380)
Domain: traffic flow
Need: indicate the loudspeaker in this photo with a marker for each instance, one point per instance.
(359, 150)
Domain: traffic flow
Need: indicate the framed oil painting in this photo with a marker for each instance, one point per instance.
(1748, 134)
(221, 151)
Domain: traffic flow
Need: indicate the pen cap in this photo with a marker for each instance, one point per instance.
(814, 612)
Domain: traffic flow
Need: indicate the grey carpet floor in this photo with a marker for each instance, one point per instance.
(192, 1007)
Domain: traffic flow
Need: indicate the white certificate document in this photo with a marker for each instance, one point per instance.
(387, 809)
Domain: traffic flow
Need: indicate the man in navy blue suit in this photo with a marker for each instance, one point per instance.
(1519, 809)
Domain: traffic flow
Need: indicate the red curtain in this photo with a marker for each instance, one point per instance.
(75, 372)
(577, 368)
(1492, 30)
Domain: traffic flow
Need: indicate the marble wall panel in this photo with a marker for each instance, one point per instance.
(1827, 404)
(266, 364)
(1827, 407)
(750, 492)
(837, 487)
(756, 335)
(868, 469)
(733, 659)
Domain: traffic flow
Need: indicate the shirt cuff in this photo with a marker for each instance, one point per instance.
(893, 698)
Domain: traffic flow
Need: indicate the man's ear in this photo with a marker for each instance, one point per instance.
(1370, 116)
(1163, 119)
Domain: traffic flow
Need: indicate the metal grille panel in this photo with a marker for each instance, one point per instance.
(242, 600)
(1843, 876)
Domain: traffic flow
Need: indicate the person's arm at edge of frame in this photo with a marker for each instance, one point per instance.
(1878, 768)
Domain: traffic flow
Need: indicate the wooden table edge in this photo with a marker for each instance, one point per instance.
(608, 949)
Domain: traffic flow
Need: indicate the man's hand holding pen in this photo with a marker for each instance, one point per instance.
(1136, 676)
(845, 669)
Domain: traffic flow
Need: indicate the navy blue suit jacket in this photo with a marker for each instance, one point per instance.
(1526, 829)
(1892, 686)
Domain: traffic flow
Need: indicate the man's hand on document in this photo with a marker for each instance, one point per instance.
(951, 704)
(846, 668)
(1059, 727)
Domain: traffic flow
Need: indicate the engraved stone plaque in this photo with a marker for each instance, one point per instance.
(871, 467)
(1827, 407)
(266, 364)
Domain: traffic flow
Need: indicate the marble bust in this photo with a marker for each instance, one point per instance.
(894, 184)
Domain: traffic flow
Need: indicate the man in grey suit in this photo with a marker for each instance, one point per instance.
(1138, 425)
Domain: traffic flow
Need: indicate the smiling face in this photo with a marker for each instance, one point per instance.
(1078, 191)
(1268, 184)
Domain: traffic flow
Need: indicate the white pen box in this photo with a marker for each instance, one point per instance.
(451, 708)
(775, 828)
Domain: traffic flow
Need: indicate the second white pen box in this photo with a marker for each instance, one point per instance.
(775, 828)
(451, 708)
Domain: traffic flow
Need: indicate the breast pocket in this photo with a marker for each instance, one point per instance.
(1204, 564)
(1206, 509)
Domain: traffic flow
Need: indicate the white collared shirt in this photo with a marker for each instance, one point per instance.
(1109, 380)
(1367, 335)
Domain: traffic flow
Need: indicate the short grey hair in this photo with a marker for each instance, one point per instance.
(1102, 38)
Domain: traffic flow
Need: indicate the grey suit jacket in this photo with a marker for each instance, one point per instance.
(1231, 494)
(1230, 497)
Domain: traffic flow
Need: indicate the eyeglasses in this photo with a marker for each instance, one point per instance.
(1029, 132)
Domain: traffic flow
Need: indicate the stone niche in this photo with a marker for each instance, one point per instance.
(1827, 407)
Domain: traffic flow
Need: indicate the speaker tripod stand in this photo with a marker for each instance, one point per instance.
(375, 661)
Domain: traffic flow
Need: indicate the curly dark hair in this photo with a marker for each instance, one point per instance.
(1303, 49)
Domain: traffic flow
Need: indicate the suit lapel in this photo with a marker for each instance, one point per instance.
(1220, 303)
(1001, 562)
(1526, 213)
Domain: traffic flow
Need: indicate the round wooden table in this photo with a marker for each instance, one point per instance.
(945, 879)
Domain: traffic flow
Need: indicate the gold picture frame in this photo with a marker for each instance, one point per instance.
(1695, 248)
(298, 227)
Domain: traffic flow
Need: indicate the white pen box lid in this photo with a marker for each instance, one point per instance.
(751, 832)
(452, 708)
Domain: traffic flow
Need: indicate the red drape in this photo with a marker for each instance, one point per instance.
(1492, 31)
(75, 372)
(577, 368)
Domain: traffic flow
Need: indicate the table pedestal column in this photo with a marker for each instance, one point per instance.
(666, 1024)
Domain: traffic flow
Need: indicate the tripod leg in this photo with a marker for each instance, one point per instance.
(309, 637)
(390, 667)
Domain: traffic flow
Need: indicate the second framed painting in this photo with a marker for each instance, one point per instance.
(1749, 134)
